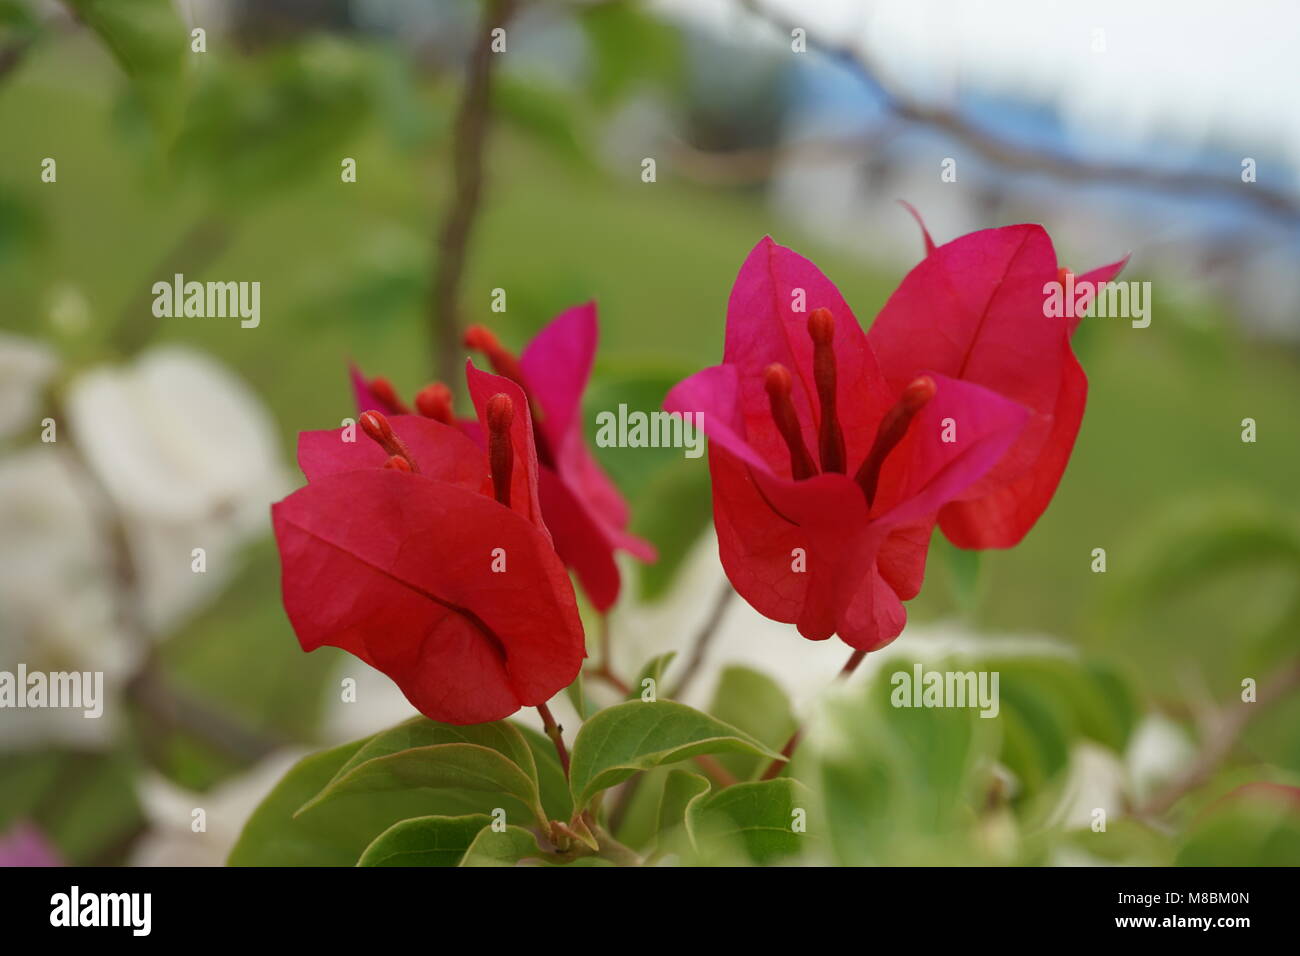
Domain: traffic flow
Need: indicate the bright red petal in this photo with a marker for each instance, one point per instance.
(1001, 518)
(398, 570)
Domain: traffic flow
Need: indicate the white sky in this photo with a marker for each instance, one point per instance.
(1183, 68)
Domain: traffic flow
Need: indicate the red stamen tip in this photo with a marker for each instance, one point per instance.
(398, 463)
(383, 390)
(434, 401)
(777, 380)
(500, 412)
(481, 338)
(378, 429)
(1062, 274)
(376, 426)
(893, 426)
(918, 392)
(821, 326)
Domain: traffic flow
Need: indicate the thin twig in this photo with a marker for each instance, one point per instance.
(556, 733)
(1027, 158)
(776, 766)
(469, 137)
(194, 249)
(703, 638)
(1226, 729)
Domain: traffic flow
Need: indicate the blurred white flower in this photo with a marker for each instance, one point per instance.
(1157, 752)
(58, 610)
(25, 367)
(190, 459)
(178, 836)
(376, 703)
(1095, 781)
(804, 668)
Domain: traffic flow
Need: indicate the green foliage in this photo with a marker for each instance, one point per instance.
(150, 44)
(636, 735)
(1255, 826)
(424, 841)
(765, 821)
(757, 705)
(653, 670)
(420, 753)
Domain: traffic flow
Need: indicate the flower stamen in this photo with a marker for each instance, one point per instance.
(777, 382)
(830, 437)
(434, 401)
(891, 431)
(378, 429)
(383, 390)
(501, 452)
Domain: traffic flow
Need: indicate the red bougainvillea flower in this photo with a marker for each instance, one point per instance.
(973, 309)
(428, 558)
(831, 461)
(583, 510)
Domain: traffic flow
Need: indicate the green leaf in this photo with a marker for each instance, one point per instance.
(336, 834)
(633, 736)
(503, 848)
(425, 841)
(681, 790)
(629, 47)
(653, 670)
(494, 758)
(552, 784)
(900, 785)
(766, 817)
(150, 43)
(963, 573)
(545, 113)
(757, 705)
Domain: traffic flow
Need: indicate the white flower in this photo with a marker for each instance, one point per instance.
(375, 703)
(178, 836)
(58, 610)
(190, 459)
(25, 367)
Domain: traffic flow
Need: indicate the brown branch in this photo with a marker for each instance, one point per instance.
(194, 249)
(469, 139)
(556, 733)
(703, 638)
(1226, 727)
(776, 766)
(1017, 156)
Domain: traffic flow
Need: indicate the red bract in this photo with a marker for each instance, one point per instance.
(973, 309)
(827, 468)
(429, 560)
(583, 510)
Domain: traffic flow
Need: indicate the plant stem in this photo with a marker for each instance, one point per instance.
(1227, 726)
(776, 766)
(606, 669)
(469, 136)
(556, 733)
(703, 638)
